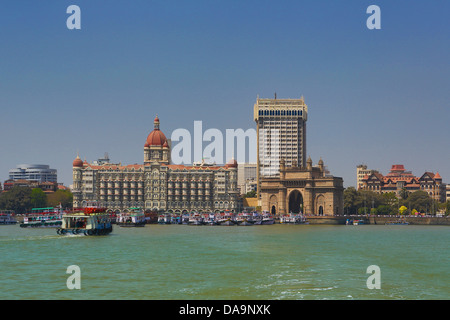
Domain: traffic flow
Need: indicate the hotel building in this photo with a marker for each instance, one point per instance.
(156, 185)
(281, 133)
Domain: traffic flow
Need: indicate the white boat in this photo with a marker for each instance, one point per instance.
(226, 219)
(43, 218)
(267, 218)
(195, 219)
(165, 218)
(210, 219)
(135, 218)
(7, 217)
(293, 218)
(244, 219)
(93, 223)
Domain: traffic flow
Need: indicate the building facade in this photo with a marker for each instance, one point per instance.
(281, 132)
(308, 190)
(361, 172)
(33, 172)
(247, 177)
(156, 185)
(46, 186)
(399, 180)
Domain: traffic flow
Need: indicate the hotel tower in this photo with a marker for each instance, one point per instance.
(281, 133)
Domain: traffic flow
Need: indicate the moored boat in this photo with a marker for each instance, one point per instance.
(196, 219)
(7, 217)
(267, 218)
(210, 219)
(165, 218)
(87, 222)
(244, 219)
(293, 218)
(226, 219)
(134, 218)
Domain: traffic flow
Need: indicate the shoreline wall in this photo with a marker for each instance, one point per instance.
(381, 220)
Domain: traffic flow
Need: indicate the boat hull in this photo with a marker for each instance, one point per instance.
(131, 225)
(86, 232)
(245, 223)
(227, 223)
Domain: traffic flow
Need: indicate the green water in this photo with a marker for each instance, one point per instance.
(216, 262)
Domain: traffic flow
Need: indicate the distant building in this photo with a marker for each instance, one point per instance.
(46, 186)
(447, 195)
(33, 172)
(398, 179)
(361, 172)
(247, 177)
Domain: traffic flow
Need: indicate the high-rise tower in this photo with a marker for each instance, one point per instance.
(281, 134)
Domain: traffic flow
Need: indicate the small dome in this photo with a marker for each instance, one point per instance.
(232, 164)
(77, 162)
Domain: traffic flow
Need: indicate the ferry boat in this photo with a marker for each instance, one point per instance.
(43, 217)
(226, 219)
(7, 217)
(210, 219)
(87, 222)
(293, 219)
(176, 219)
(244, 219)
(165, 218)
(195, 219)
(135, 218)
(358, 222)
(267, 218)
(185, 218)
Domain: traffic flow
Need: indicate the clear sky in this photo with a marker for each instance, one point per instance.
(378, 97)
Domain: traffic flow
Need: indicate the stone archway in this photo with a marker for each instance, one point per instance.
(295, 202)
(320, 205)
(273, 204)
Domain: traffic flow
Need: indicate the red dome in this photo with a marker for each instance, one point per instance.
(156, 138)
(77, 162)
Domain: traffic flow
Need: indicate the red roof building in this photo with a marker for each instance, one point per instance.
(399, 179)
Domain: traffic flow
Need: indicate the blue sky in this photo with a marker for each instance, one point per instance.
(378, 97)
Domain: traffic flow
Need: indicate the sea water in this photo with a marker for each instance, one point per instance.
(173, 262)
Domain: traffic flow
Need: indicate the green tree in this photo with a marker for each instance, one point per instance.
(419, 200)
(63, 197)
(17, 199)
(250, 194)
(384, 209)
(38, 198)
(350, 195)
